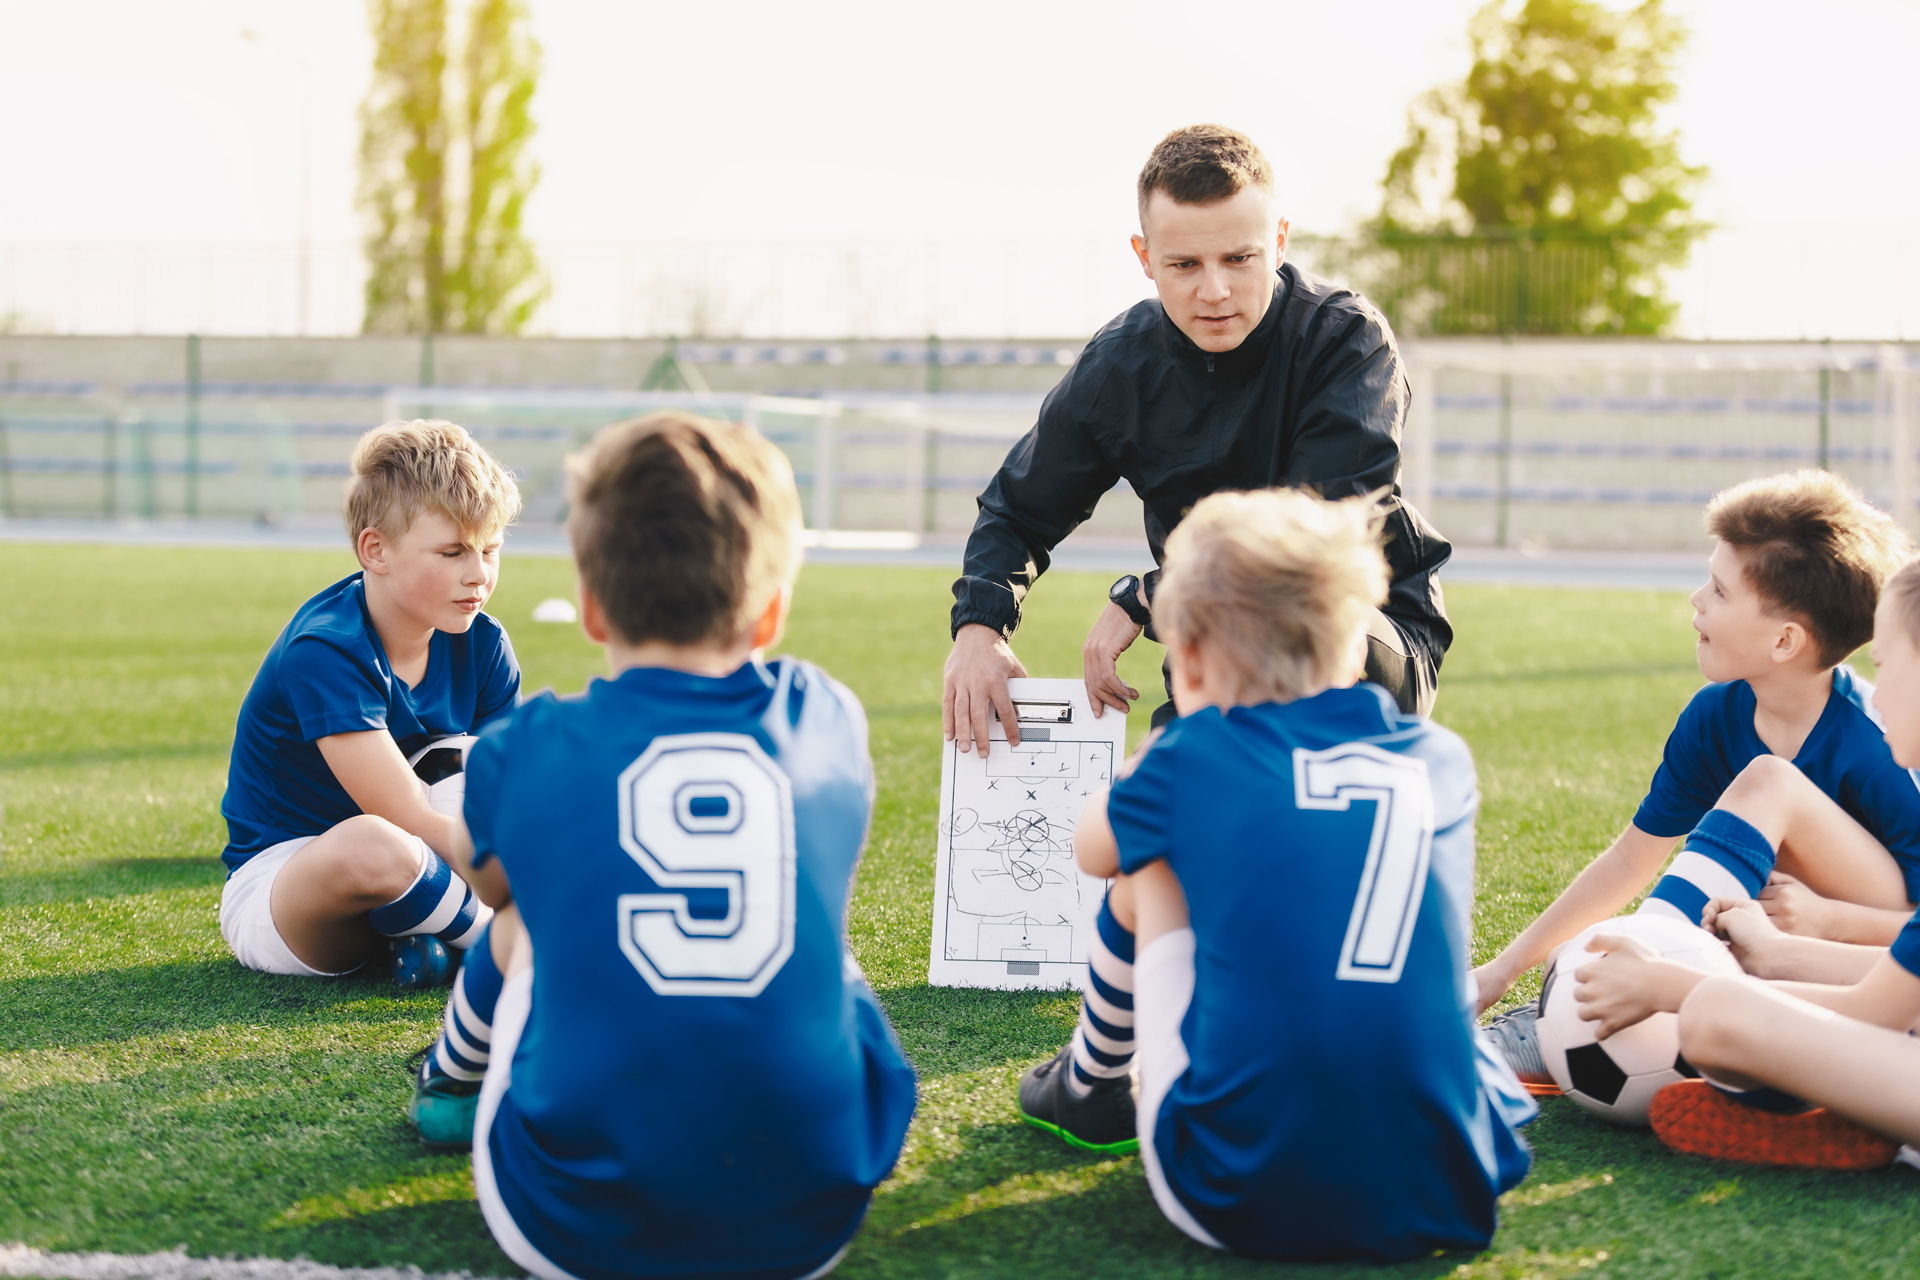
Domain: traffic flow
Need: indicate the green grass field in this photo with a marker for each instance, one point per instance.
(153, 1094)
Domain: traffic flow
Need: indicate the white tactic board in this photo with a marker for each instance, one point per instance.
(1010, 908)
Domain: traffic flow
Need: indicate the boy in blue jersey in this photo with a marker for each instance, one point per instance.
(332, 846)
(685, 1073)
(1793, 581)
(1295, 863)
(1831, 1028)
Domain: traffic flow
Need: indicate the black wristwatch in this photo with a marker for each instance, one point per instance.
(1126, 593)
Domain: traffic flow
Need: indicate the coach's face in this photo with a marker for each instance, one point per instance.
(1213, 264)
(1896, 688)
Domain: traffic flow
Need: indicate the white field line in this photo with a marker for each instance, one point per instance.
(19, 1260)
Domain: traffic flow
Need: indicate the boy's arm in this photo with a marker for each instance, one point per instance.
(1888, 996)
(1799, 910)
(1094, 847)
(489, 880)
(369, 767)
(1765, 952)
(1608, 883)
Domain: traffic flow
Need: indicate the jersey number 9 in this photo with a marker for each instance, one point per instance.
(708, 811)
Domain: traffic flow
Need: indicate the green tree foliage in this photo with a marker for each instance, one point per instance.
(444, 170)
(1552, 143)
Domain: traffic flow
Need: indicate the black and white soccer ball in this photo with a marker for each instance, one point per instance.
(1617, 1077)
(441, 766)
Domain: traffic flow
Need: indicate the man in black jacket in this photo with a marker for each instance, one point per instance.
(1245, 372)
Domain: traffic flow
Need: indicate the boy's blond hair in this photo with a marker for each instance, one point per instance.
(400, 469)
(1815, 551)
(1903, 593)
(1278, 583)
(683, 527)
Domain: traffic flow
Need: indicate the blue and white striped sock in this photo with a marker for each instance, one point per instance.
(466, 1033)
(1103, 1042)
(1725, 857)
(438, 902)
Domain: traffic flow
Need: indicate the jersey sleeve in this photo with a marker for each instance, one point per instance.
(1906, 947)
(1683, 787)
(1892, 803)
(485, 765)
(499, 683)
(1140, 808)
(329, 692)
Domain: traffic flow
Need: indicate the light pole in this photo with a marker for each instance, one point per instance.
(306, 164)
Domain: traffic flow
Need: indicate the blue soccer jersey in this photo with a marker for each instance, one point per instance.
(704, 1084)
(1906, 946)
(1338, 1099)
(328, 674)
(1846, 756)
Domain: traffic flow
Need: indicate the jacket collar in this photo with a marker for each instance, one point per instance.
(1244, 360)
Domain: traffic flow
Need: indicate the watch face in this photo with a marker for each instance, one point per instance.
(1120, 588)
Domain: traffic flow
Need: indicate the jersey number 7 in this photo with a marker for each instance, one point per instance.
(1398, 848)
(707, 811)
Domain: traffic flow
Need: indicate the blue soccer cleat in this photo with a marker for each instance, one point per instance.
(421, 961)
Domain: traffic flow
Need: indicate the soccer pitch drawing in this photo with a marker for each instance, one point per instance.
(154, 1096)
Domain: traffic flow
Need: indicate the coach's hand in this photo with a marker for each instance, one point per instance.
(976, 679)
(1113, 631)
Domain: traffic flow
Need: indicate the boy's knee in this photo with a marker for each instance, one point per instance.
(1767, 780)
(1718, 1020)
(375, 856)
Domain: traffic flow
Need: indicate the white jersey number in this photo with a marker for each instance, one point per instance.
(708, 811)
(1395, 877)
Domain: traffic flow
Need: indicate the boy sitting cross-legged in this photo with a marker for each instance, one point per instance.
(1295, 865)
(1832, 1029)
(685, 1072)
(332, 844)
(1792, 585)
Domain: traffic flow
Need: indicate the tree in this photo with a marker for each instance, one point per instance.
(445, 173)
(1553, 143)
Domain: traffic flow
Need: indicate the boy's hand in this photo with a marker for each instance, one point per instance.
(1747, 928)
(1493, 982)
(1629, 984)
(1793, 907)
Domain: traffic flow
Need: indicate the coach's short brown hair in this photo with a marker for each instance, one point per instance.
(400, 469)
(1815, 551)
(682, 526)
(1203, 164)
(1278, 583)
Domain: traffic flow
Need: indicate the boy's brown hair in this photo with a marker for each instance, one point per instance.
(682, 526)
(403, 468)
(1814, 550)
(1203, 164)
(1278, 583)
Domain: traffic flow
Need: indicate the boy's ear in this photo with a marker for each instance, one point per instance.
(1792, 640)
(593, 619)
(772, 621)
(371, 548)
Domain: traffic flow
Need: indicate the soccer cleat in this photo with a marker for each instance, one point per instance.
(1701, 1120)
(420, 961)
(1102, 1121)
(442, 1108)
(1516, 1034)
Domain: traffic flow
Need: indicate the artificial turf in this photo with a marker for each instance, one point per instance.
(154, 1094)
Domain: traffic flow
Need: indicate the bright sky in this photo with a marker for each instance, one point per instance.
(135, 121)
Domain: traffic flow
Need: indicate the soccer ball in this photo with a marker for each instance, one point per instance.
(1617, 1077)
(441, 766)
(420, 961)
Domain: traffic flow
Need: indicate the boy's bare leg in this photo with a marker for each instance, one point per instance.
(1149, 903)
(1819, 843)
(1747, 1034)
(322, 895)
(507, 938)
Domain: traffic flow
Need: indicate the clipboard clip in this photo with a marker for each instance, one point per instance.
(1039, 712)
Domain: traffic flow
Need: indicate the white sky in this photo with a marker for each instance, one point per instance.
(132, 121)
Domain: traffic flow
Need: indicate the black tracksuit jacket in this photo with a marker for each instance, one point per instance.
(1314, 398)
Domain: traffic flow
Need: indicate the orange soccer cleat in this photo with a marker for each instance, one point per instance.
(1699, 1119)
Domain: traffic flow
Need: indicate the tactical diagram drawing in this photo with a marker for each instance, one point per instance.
(1011, 910)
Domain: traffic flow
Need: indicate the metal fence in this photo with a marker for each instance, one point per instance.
(1529, 445)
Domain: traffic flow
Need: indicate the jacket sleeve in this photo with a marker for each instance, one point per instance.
(1048, 486)
(1346, 441)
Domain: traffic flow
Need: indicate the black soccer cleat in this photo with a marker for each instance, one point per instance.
(1516, 1034)
(1101, 1122)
